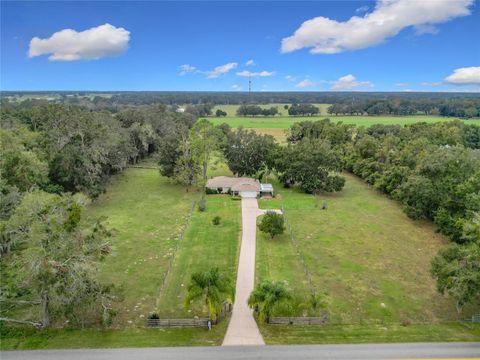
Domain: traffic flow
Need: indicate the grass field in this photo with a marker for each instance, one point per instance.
(352, 334)
(95, 338)
(284, 122)
(363, 251)
(277, 125)
(148, 213)
(231, 110)
(205, 245)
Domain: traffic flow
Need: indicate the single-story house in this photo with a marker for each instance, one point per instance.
(241, 186)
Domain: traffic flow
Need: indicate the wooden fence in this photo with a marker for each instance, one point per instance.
(155, 323)
(196, 322)
(320, 320)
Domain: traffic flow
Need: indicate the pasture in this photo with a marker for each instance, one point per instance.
(285, 122)
(277, 125)
(148, 214)
(369, 259)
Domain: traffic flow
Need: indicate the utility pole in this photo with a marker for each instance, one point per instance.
(249, 88)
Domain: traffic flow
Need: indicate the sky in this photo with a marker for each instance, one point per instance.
(384, 45)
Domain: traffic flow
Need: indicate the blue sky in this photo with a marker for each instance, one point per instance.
(146, 44)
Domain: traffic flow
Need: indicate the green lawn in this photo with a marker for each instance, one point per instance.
(285, 122)
(95, 338)
(148, 213)
(349, 334)
(363, 251)
(205, 245)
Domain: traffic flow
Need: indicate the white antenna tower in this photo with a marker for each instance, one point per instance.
(249, 87)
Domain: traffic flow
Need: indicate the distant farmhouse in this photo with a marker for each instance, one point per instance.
(242, 186)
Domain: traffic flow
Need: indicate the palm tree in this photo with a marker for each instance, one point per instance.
(213, 287)
(267, 295)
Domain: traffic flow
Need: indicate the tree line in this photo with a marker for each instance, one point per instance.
(463, 108)
(351, 103)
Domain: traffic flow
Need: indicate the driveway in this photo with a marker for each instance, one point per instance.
(242, 329)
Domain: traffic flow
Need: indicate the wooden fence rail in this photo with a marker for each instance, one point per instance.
(195, 322)
(202, 322)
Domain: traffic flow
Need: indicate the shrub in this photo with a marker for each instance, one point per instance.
(272, 224)
(216, 220)
(209, 191)
(153, 316)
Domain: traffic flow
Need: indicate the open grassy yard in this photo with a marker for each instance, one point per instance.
(148, 213)
(363, 251)
(350, 334)
(96, 338)
(205, 245)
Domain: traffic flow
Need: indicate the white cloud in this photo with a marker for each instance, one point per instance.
(327, 36)
(465, 76)
(426, 29)
(362, 9)
(186, 69)
(246, 73)
(236, 87)
(434, 83)
(220, 70)
(305, 84)
(91, 44)
(290, 78)
(349, 82)
(402, 84)
(250, 62)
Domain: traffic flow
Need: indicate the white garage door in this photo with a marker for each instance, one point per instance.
(248, 194)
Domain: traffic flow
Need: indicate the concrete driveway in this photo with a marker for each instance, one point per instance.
(242, 329)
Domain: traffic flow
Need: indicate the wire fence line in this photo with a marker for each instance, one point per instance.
(299, 253)
(172, 258)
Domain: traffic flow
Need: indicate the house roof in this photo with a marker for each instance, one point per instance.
(247, 186)
(236, 184)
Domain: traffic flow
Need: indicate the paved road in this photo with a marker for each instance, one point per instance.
(242, 329)
(307, 352)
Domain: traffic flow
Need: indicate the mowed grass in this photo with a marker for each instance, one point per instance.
(371, 260)
(350, 334)
(148, 213)
(95, 338)
(285, 122)
(205, 246)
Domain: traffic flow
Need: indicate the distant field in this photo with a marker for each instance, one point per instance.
(286, 122)
(231, 110)
(275, 126)
(363, 251)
